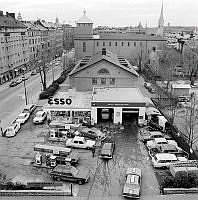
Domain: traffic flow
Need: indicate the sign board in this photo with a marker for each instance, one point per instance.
(59, 101)
(118, 104)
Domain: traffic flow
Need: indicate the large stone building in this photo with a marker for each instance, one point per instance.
(68, 36)
(128, 45)
(14, 47)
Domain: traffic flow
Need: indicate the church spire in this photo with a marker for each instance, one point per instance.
(161, 18)
(19, 18)
(160, 31)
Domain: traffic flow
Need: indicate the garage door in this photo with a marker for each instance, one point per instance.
(130, 115)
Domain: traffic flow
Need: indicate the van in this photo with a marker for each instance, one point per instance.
(29, 108)
(105, 113)
(161, 160)
(107, 150)
(12, 130)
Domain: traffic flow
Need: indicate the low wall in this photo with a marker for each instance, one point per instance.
(180, 190)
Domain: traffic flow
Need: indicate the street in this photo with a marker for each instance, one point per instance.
(13, 98)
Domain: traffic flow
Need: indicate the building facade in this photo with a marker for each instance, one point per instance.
(68, 36)
(14, 47)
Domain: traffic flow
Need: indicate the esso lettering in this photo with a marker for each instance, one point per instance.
(58, 101)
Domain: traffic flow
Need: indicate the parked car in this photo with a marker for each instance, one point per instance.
(80, 142)
(162, 160)
(12, 130)
(13, 84)
(107, 150)
(19, 80)
(151, 135)
(33, 73)
(25, 77)
(29, 108)
(22, 118)
(70, 173)
(147, 85)
(40, 117)
(132, 185)
(89, 133)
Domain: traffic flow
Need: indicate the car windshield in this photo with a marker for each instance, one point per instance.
(132, 185)
(39, 115)
(9, 129)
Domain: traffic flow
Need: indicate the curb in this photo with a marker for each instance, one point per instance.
(34, 193)
(180, 190)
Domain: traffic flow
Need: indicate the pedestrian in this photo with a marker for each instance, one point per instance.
(93, 150)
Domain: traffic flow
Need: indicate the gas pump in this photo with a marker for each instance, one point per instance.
(53, 161)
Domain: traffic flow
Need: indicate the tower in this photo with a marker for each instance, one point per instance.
(56, 20)
(19, 18)
(84, 27)
(160, 31)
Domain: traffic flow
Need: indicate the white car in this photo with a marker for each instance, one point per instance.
(40, 117)
(158, 141)
(22, 118)
(12, 130)
(80, 142)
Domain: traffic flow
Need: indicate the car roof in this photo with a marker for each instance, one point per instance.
(155, 133)
(168, 156)
(134, 170)
(40, 112)
(78, 138)
(164, 147)
(23, 114)
(64, 168)
(132, 179)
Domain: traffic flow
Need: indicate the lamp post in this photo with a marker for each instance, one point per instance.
(25, 92)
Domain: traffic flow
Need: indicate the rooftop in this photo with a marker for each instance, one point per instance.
(182, 86)
(84, 19)
(118, 95)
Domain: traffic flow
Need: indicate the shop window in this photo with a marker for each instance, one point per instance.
(109, 43)
(112, 81)
(94, 81)
(103, 71)
(122, 44)
(103, 44)
(97, 44)
(128, 44)
(141, 44)
(134, 44)
(84, 46)
(116, 44)
(103, 81)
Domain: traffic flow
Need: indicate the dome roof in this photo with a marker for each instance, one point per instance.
(84, 20)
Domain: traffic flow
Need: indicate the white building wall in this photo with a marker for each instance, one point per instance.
(94, 119)
(117, 115)
(141, 117)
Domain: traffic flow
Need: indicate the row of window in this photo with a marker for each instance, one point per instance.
(3, 58)
(34, 41)
(117, 44)
(11, 47)
(103, 81)
(7, 39)
(19, 61)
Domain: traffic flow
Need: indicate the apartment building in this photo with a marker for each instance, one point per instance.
(14, 47)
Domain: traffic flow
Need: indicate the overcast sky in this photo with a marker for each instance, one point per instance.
(107, 12)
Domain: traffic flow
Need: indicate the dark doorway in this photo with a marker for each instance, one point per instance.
(130, 116)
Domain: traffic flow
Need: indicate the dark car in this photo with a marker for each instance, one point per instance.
(151, 90)
(33, 73)
(88, 133)
(107, 150)
(13, 84)
(70, 173)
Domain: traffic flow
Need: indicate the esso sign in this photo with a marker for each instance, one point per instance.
(61, 101)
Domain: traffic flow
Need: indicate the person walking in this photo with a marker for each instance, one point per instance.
(93, 150)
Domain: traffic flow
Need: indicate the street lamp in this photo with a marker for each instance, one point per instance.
(25, 92)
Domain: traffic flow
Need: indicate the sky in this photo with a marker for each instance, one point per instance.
(107, 12)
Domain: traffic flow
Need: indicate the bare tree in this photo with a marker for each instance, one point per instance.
(190, 124)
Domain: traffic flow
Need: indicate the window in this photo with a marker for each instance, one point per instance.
(109, 43)
(97, 44)
(112, 81)
(122, 43)
(84, 46)
(94, 81)
(141, 44)
(103, 44)
(134, 44)
(103, 81)
(128, 44)
(116, 44)
(103, 71)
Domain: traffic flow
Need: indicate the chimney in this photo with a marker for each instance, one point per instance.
(1, 13)
(104, 52)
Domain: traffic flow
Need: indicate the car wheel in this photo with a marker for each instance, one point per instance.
(80, 182)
